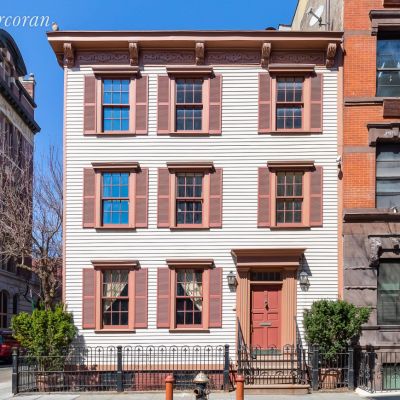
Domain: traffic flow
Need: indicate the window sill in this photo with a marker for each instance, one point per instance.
(294, 226)
(116, 227)
(110, 330)
(291, 133)
(189, 133)
(191, 227)
(189, 330)
(114, 133)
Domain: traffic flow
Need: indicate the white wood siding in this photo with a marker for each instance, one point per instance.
(240, 150)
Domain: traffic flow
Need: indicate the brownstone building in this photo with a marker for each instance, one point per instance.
(369, 156)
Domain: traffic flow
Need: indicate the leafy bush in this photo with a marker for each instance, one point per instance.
(333, 324)
(46, 334)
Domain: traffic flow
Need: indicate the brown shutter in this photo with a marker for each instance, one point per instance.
(141, 298)
(264, 198)
(316, 103)
(89, 124)
(216, 199)
(264, 103)
(215, 303)
(163, 297)
(215, 118)
(316, 197)
(163, 99)
(88, 298)
(141, 199)
(141, 105)
(163, 219)
(89, 201)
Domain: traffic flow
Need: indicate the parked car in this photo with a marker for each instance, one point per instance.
(7, 342)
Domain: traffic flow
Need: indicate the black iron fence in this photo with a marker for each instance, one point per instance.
(379, 371)
(130, 368)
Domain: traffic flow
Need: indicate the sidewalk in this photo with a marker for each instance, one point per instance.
(184, 396)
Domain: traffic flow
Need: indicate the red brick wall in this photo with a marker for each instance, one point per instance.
(359, 85)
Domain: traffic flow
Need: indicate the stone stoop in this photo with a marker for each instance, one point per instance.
(276, 389)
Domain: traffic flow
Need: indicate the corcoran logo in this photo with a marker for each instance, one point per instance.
(28, 21)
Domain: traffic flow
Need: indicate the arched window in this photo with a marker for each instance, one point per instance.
(15, 304)
(3, 309)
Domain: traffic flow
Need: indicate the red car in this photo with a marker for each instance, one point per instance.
(7, 342)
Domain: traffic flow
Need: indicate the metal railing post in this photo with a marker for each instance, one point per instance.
(315, 368)
(350, 376)
(120, 384)
(14, 383)
(226, 368)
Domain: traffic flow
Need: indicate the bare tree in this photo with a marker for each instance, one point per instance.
(31, 221)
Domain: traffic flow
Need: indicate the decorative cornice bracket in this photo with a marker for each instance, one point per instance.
(200, 53)
(266, 49)
(133, 53)
(69, 56)
(330, 55)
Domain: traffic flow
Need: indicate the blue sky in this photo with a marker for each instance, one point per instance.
(120, 15)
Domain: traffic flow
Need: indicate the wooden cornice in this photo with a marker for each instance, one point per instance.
(110, 70)
(197, 70)
(191, 166)
(118, 166)
(263, 257)
(190, 263)
(303, 165)
(115, 264)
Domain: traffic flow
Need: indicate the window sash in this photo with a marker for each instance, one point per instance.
(197, 299)
(190, 106)
(115, 298)
(190, 199)
(114, 199)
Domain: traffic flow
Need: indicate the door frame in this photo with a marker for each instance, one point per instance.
(285, 261)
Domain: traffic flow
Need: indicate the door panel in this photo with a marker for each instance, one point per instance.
(266, 316)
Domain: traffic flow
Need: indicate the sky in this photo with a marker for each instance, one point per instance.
(119, 15)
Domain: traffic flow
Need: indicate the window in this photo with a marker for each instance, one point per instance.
(189, 199)
(391, 372)
(116, 104)
(115, 198)
(387, 175)
(8, 264)
(266, 276)
(388, 65)
(389, 293)
(115, 298)
(189, 297)
(289, 197)
(189, 106)
(289, 102)
(3, 309)
(15, 304)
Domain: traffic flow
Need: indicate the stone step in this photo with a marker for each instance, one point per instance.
(276, 389)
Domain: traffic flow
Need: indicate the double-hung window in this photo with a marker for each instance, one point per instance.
(388, 65)
(289, 197)
(189, 104)
(115, 298)
(387, 175)
(189, 297)
(189, 198)
(115, 198)
(389, 293)
(115, 105)
(289, 103)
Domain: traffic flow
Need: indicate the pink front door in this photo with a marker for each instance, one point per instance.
(266, 316)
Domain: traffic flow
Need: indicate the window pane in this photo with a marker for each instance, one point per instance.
(388, 84)
(389, 293)
(388, 53)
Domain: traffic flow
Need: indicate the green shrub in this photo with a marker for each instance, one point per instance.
(333, 324)
(46, 334)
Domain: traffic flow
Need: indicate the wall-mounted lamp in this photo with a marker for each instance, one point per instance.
(231, 278)
(304, 282)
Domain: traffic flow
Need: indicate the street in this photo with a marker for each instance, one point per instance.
(5, 394)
